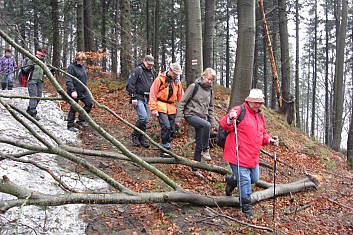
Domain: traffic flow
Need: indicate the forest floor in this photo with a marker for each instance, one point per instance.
(325, 210)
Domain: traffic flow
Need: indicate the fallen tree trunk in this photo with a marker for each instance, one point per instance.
(40, 199)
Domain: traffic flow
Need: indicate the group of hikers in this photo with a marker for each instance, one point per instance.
(163, 97)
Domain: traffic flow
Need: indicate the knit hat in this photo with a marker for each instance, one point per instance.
(255, 96)
(175, 67)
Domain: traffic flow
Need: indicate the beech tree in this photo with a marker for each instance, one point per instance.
(341, 25)
(193, 41)
(245, 52)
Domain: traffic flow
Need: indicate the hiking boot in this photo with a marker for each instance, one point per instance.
(231, 184)
(247, 207)
(144, 143)
(73, 129)
(135, 141)
(206, 155)
(36, 117)
(82, 124)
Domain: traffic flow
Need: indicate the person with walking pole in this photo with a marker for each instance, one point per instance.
(242, 147)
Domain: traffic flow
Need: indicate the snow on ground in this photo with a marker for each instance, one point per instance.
(40, 220)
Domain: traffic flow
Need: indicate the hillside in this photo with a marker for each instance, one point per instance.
(327, 210)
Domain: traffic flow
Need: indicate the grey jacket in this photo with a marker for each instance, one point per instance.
(200, 105)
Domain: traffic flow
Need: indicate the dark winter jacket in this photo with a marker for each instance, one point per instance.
(140, 82)
(79, 72)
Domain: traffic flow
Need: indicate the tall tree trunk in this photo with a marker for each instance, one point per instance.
(273, 26)
(245, 52)
(172, 25)
(264, 47)
(148, 37)
(258, 36)
(105, 6)
(126, 60)
(297, 61)
(350, 131)
(193, 41)
(114, 42)
(308, 93)
(287, 105)
(338, 84)
(80, 26)
(156, 32)
(227, 48)
(209, 32)
(327, 116)
(23, 26)
(35, 25)
(88, 25)
(56, 33)
(313, 102)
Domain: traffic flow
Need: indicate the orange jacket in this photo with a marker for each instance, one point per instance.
(159, 101)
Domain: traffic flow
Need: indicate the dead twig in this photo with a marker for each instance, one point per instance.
(279, 160)
(339, 204)
(239, 221)
(299, 208)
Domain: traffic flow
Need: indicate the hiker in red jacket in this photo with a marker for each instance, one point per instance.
(251, 136)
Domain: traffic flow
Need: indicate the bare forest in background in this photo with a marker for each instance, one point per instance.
(312, 44)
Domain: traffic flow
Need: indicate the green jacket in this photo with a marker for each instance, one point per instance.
(37, 72)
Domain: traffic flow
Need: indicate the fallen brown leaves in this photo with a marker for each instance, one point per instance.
(328, 210)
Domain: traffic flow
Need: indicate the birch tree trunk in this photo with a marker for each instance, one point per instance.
(245, 53)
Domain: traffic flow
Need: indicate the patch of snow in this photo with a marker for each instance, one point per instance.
(34, 219)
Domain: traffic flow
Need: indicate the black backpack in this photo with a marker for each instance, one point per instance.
(222, 134)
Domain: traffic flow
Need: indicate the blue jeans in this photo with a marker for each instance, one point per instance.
(248, 176)
(167, 123)
(7, 81)
(143, 115)
(202, 131)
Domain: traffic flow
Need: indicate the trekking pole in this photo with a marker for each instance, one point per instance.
(274, 181)
(237, 156)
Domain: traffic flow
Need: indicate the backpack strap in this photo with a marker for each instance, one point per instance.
(196, 88)
(242, 113)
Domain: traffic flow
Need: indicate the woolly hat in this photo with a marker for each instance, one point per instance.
(255, 96)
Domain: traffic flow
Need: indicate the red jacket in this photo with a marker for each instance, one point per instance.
(251, 136)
